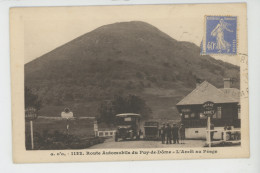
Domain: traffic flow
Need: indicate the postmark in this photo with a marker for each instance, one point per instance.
(220, 35)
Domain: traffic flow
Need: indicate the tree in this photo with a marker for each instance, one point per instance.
(123, 104)
(31, 99)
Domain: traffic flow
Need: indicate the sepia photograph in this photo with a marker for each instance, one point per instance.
(124, 80)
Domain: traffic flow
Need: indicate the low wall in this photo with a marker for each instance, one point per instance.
(77, 126)
(200, 133)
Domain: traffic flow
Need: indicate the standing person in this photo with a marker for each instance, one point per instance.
(175, 134)
(182, 133)
(169, 134)
(162, 133)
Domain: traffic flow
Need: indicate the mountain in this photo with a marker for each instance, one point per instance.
(122, 58)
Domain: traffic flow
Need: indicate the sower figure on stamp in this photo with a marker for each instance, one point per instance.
(175, 134)
(169, 134)
(218, 32)
(182, 133)
(162, 133)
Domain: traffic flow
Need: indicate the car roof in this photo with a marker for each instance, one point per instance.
(128, 115)
(151, 124)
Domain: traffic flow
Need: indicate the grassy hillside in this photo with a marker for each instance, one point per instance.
(122, 58)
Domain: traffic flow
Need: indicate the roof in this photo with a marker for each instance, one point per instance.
(207, 92)
(232, 92)
(128, 115)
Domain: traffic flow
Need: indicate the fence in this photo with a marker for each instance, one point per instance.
(231, 136)
(109, 133)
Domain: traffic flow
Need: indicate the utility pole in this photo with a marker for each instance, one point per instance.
(208, 110)
(209, 136)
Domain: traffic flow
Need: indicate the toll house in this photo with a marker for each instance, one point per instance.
(227, 109)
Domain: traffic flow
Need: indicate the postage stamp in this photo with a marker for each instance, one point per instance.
(220, 35)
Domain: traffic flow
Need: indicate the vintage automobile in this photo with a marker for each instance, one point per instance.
(128, 126)
(151, 130)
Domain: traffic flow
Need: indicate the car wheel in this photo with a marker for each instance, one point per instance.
(131, 135)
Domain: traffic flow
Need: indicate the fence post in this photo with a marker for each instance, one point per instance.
(224, 135)
(31, 124)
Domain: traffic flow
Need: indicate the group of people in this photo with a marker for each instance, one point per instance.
(172, 134)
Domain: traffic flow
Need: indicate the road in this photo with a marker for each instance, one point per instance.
(110, 143)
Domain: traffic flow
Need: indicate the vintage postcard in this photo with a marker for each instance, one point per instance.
(139, 82)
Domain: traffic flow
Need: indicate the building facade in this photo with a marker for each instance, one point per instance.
(226, 104)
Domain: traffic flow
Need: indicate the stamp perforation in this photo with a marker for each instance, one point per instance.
(221, 43)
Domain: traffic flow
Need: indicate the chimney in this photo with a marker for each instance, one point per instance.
(227, 82)
(198, 82)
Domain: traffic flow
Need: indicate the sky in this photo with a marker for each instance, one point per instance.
(48, 28)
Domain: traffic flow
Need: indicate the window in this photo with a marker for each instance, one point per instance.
(186, 116)
(239, 112)
(214, 115)
(192, 115)
(202, 116)
(219, 112)
(128, 119)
